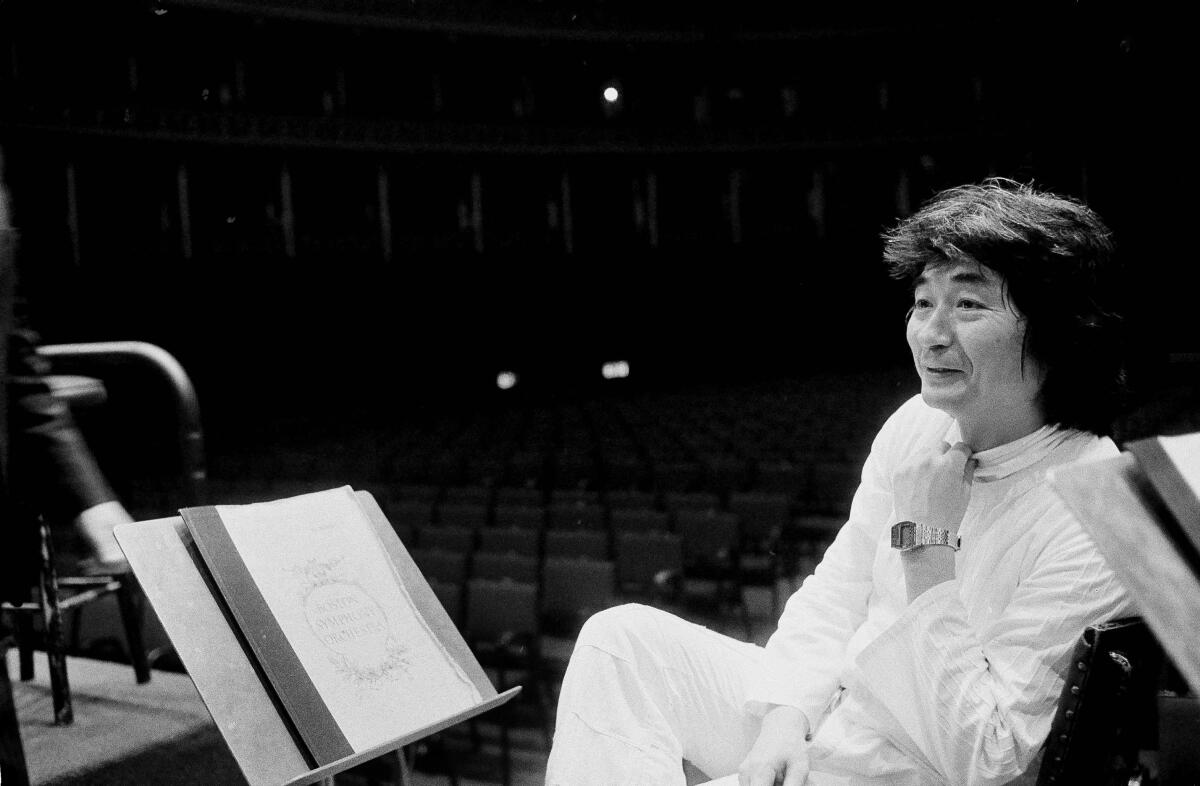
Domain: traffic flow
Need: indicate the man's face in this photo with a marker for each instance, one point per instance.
(966, 340)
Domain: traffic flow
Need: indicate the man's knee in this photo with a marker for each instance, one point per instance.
(613, 628)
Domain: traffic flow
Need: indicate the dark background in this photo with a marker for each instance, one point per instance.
(724, 216)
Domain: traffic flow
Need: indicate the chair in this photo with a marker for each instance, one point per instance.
(587, 496)
(472, 515)
(832, 486)
(573, 589)
(477, 494)
(677, 475)
(675, 501)
(710, 579)
(502, 628)
(12, 752)
(577, 543)
(576, 515)
(505, 565)
(447, 566)
(620, 499)
(84, 374)
(515, 539)
(519, 495)
(781, 476)
(639, 520)
(414, 513)
(762, 516)
(1106, 711)
(417, 492)
(725, 473)
(525, 516)
(644, 559)
(448, 537)
(762, 519)
(450, 595)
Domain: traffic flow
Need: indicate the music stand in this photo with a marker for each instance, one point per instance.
(1132, 531)
(169, 567)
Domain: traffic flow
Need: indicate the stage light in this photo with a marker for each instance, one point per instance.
(618, 369)
(506, 380)
(611, 94)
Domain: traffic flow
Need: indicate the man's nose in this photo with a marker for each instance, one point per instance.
(936, 330)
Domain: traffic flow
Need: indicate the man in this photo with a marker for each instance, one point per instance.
(45, 465)
(929, 646)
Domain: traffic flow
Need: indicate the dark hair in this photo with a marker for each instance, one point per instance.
(1055, 257)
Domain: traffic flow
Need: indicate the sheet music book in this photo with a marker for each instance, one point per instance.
(329, 620)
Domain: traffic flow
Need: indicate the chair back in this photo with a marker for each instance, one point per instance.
(500, 608)
(1106, 712)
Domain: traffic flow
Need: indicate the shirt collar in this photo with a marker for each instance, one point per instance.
(1012, 457)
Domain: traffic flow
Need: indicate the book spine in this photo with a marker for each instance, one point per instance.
(288, 679)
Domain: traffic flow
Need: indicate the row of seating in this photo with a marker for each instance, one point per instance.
(806, 439)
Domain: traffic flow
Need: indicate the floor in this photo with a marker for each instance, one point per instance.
(161, 732)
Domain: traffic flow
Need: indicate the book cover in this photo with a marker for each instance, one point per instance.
(329, 620)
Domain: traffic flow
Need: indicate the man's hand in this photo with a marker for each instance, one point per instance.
(780, 754)
(934, 488)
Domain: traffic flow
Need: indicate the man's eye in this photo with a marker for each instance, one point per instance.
(969, 304)
(921, 303)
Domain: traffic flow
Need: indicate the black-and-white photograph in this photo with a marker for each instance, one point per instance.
(598, 393)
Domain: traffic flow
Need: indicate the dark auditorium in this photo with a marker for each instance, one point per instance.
(598, 393)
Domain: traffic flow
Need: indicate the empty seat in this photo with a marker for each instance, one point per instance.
(781, 476)
(577, 543)
(573, 469)
(574, 588)
(521, 540)
(425, 492)
(725, 473)
(525, 516)
(477, 494)
(623, 471)
(638, 520)
(574, 495)
(710, 540)
(677, 475)
(576, 515)
(502, 627)
(448, 566)
(643, 556)
(525, 468)
(506, 565)
(471, 515)
(519, 495)
(414, 513)
(629, 498)
(675, 501)
(762, 516)
(450, 595)
(449, 537)
(832, 486)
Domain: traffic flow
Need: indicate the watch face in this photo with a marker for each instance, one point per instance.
(904, 535)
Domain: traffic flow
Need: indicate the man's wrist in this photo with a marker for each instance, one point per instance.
(785, 715)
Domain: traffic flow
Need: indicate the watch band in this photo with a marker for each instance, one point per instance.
(908, 535)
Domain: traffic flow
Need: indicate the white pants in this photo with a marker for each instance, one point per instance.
(643, 691)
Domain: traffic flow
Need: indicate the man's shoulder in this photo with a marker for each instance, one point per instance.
(916, 419)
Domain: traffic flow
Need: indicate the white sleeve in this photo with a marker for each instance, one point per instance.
(976, 704)
(806, 655)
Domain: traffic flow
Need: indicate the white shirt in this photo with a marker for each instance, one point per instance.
(960, 686)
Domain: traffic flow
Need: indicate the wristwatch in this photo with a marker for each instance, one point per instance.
(908, 535)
